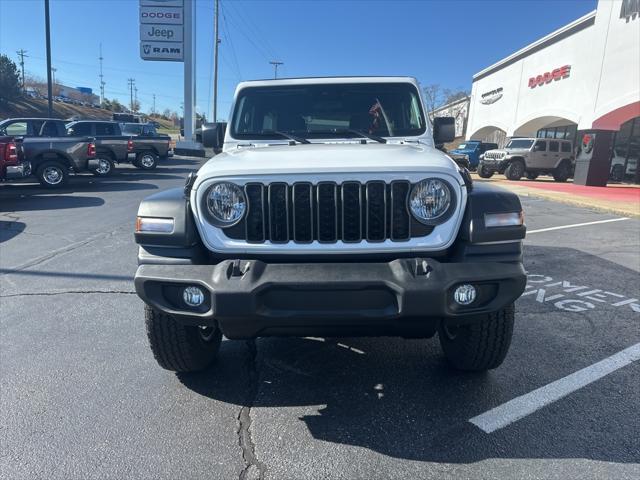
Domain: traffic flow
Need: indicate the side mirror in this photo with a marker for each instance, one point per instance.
(444, 130)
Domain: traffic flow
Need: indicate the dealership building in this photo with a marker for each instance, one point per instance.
(581, 82)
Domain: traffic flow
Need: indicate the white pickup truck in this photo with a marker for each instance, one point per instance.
(330, 213)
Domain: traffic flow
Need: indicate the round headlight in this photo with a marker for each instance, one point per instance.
(226, 204)
(430, 199)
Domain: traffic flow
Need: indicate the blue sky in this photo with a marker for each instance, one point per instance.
(442, 42)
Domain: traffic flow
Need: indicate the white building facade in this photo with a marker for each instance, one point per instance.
(581, 82)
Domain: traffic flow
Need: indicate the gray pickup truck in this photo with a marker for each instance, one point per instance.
(114, 146)
(52, 157)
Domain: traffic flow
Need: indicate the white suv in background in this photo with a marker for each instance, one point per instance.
(530, 157)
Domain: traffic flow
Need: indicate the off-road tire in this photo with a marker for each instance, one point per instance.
(617, 173)
(563, 172)
(45, 177)
(484, 172)
(515, 170)
(146, 161)
(178, 347)
(531, 175)
(479, 346)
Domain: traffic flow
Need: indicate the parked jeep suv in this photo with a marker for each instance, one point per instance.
(330, 213)
(473, 149)
(530, 157)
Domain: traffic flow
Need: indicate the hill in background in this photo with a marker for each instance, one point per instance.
(37, 107)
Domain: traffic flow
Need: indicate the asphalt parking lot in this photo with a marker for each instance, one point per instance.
(82, 397)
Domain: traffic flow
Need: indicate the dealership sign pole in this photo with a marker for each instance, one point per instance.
(167, 29)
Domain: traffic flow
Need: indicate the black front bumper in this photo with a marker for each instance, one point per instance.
(250, 298)
(493, 164)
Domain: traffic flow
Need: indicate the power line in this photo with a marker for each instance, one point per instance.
(263, 39)
(260, 49)
(22, 53)
(225, 32)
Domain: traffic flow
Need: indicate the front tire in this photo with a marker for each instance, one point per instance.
(479, 346)
(178, 347)
(146, 160)
(484, 172)
(52, 174)
(515, 170)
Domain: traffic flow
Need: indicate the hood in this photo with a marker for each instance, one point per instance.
(327, 158)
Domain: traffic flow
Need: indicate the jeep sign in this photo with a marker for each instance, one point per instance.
(161, 51)
(161, 33)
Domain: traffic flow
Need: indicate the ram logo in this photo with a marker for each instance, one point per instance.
(146, 49)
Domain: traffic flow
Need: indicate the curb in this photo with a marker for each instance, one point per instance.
(572, 200)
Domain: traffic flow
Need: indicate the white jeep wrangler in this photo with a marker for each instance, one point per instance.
(330, 213)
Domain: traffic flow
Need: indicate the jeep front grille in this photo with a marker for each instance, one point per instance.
(327, 212)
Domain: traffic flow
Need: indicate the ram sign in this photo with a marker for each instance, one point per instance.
(172, 52)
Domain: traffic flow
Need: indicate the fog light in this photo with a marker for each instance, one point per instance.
(465, 294)
(193, 296)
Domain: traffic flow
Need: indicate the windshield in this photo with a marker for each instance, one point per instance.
(324, 111)
(132, 129)
(468, 146)
(525, 144)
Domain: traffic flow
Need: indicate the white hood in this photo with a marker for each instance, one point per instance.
(340, 158)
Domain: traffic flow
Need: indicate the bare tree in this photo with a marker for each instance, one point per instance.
(434, 97)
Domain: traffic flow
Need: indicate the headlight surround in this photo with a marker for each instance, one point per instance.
(431, 200)
(225, 204)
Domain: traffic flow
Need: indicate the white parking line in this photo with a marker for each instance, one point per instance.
(561, 227)
(524, 405)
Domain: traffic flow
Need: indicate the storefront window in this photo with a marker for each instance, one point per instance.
(626, 153)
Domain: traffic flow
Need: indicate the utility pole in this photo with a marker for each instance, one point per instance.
(22, 53)
(101, 77)
(131, 82)
(153, 110)
(53, 74)
(216, 41)
(48, 38)
(135, 97)
(275, 67)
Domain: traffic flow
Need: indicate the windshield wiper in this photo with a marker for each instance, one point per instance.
(295, 138)
(368, 135)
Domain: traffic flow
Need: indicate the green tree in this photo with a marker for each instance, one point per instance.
(9, 80)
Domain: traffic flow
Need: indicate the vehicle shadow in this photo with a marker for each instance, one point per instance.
(398, 396)
(8, 230)
(27, 199)
(76, 184)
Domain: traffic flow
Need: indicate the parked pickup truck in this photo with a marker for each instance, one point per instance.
(12, 165)
(52, 158)
(146, 130)
(113, 146)
(331, 213)
(33, 127)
